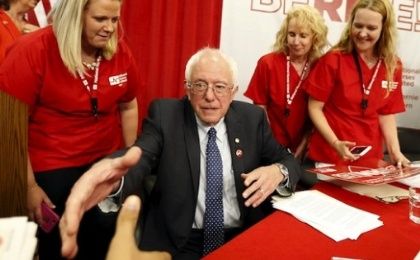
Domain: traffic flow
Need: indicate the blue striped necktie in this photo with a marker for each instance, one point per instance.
(213, 215)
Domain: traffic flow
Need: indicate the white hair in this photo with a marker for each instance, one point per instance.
(215, 53)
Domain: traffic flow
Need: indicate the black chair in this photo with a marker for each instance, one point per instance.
(409, 139)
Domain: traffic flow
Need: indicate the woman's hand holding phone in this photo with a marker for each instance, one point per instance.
(49, 218)
(360, 150)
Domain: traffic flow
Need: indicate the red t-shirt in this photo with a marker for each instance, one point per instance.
(268, 88)
(62, 130)
(335, 81)
(8, 33)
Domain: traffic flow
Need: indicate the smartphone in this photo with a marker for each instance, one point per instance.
(49, 218)
(360, 149)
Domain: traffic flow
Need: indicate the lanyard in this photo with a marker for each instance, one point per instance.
(289, 98)
(93, 91)
(365, 90)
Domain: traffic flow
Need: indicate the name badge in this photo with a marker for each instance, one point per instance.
(392, 85)
(118, 80)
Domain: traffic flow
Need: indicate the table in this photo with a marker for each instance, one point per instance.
(282, 236)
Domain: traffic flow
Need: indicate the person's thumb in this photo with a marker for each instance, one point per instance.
(127, 218)
(123, 244)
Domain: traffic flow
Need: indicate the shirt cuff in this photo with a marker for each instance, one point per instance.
(283, 189)
(285, 172)
(117, 193)
(112, 202)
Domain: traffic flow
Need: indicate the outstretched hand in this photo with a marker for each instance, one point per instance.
(93, 187)
(123, 245)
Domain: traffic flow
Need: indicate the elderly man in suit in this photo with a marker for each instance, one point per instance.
(190, 212)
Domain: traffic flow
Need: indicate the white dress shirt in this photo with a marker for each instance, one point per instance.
(231, 211)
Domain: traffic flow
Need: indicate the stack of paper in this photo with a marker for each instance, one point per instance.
(17, 238)
(335, 219)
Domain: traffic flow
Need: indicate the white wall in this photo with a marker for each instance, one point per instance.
(249, 28)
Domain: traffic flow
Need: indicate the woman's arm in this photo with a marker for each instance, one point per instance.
(265, 110)
(36, 196)
(301, 149)
(389, 131)
(319, 120)
(129, 121)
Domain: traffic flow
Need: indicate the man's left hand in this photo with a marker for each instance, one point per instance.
(260, 184)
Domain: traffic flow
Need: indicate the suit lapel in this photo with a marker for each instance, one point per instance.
(192, 144)
(236, 136)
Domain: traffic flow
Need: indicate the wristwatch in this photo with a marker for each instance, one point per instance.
(283, 170)
(283, 189)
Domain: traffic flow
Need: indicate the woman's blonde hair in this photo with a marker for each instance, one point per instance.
(67, 23)
(385, 48)
(306, 17)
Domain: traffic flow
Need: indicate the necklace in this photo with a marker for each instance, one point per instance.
(369, 61)
(94, 89)
(289, 98)
(90, 66)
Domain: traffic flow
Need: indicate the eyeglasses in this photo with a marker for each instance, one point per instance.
(200, 87)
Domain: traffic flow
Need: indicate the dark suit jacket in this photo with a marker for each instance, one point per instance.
(171, 152)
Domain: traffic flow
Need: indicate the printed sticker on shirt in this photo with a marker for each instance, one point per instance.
(118, 80)
(393, 85)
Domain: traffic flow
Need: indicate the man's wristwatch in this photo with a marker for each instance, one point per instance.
(283, 190)
(284, 171)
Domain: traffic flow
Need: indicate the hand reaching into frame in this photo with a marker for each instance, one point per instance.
(123, 245)
(93, 187)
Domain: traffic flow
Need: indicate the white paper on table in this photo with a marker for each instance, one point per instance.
(18, 240)
(335, 219)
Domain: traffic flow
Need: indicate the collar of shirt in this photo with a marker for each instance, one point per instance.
(230, 203)
(203, 130)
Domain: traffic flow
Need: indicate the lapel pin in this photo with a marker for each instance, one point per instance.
(237, 140)
(239, 153)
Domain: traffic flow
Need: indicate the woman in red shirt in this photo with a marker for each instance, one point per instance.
(79, 81)
(355, 89)
(13, 22)
(278, 78)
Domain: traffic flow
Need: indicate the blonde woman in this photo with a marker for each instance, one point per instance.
(355, 90)
(277, 83)
(79, 81)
